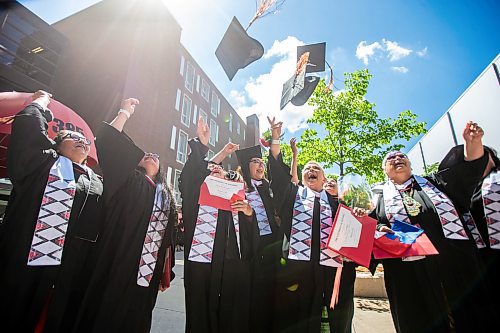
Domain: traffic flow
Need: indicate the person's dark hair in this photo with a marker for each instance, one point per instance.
(161, 178)
(59, 137)
(494, 156)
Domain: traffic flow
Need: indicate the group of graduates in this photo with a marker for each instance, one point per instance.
(85, 253)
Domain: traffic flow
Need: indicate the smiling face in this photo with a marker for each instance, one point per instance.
(216, 170)
(151, 163)
(257, 168)
(73, 145)
(330, 186)
(313, 176)
(397, 167)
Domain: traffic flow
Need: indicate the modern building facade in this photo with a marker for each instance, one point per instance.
(480, 103)
(125, 48)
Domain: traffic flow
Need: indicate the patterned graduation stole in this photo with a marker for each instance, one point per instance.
(154, 237)
(256, 203)
(491, 201)
(450, 222)
(202, 246)
(301, 232)
(471, 225)
(53, 218)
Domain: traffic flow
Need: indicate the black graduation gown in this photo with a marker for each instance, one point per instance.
(424, 294)
(300, 310)
(264, 267)
(490, 257)
(25, 289)
(114, 301)
(217, 295)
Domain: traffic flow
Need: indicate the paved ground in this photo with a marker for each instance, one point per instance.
(371, 315)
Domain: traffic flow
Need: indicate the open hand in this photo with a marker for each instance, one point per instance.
(473, 133)
(203, 131)
(275, 128)
(293, 145)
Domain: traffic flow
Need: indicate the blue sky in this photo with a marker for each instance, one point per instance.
(425, 53)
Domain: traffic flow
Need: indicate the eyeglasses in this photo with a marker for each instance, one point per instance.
(393, 156)
(152, 155)
(76, 137)
(259, 162)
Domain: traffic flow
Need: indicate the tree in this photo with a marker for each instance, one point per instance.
(430, 169)
(353, 136)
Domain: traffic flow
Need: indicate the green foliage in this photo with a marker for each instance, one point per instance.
(357, 196)
(356, 139)
(430, 169)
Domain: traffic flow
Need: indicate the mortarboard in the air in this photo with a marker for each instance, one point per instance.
(237, 49)
(300, 87)
(244, 157)
(316, 56)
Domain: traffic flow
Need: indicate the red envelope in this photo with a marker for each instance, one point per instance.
(422, 247)
(217, 202)
(362, 253)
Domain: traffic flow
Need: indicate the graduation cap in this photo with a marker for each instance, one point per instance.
(300, 87)
(244, 157)
(237, 49)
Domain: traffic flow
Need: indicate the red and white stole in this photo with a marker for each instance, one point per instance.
(154, 237)
(471, 225)
(301, 232)
(202, 246)
(450, 222)
(256, 203)
(491, 201)
(53, 218)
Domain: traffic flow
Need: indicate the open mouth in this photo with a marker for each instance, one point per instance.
(399, 164)
(311, 177)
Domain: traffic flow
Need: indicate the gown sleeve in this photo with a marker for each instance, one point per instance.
(118, 157)
(460, 180)
(195, 170)
(29, 145)
(281, 182)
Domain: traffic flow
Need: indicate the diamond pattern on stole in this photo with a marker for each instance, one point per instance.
(255, 201)
(53, 218)
(202, 245)
(153, 239)
(491, 202)
(301, 232)
(471, 224)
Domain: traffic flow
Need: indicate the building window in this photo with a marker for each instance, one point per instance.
(178, 100)
(186, 110)
(173, 136)
(189, 83)
(213, 132)
(214, 106)
(244, 137)
(198, 83)
(210, 155)
(205, 90)
(177, 193)
(169, 176)
(204, 115)
(195, 114)
(230, 123)
(182, 147)
(238, 128)
(182, 66)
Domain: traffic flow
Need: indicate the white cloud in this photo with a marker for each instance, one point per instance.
(423, 52)
(237, 98)
(364, 51)
(395, 52)
(400, 69)
(263, 94)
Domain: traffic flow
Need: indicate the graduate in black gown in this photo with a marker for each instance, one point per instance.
(253, 167)
(218, 249)
(485, 222)
(139, 215)
(306, 275)
(50, 226)
(443, 292)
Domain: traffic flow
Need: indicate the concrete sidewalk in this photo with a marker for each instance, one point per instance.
(371, 315)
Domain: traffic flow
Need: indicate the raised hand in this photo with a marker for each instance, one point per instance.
(41, 98)
(275, 128)
(231, 148)
(293, 145)
(242, 206)
(203, 131)
(129, 105)
(472, 133)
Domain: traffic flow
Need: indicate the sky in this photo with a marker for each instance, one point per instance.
(422, 54)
